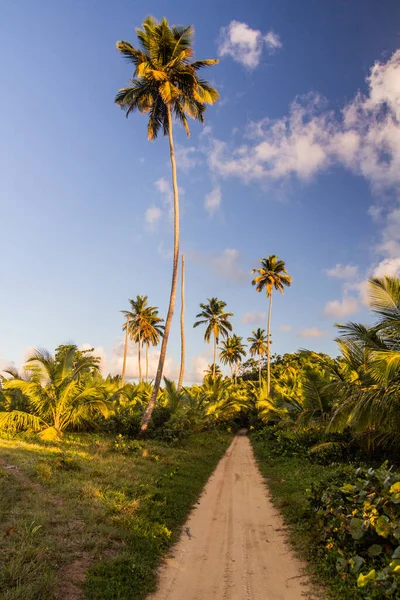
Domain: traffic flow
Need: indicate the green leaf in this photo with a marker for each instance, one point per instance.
(382, 526)
(395, 491)
(356, 563)
(395, 566)
(375, 550)
(347, 488)
(396, 553)
(356, 528)
(363, 580)
(341, 564)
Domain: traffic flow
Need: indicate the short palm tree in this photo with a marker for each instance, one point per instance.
(60, 392)
(213, 369)
(165, 84)
(217, 320)
(368, 386)
(232, 350)
(152, 332)
(272, 275)
(134, 326)
(258, 347)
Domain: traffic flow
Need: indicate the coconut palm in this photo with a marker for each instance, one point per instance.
(258, 347)
(61, 391)
(217, 320)
(134, 325)
(232, 350)
(369, 390)
(152, 332)
(272, 275)
(211, 369)
(165, 84)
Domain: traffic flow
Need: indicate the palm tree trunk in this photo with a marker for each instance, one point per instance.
(259, 371)
(182, 371)
(140, 359)
(269, 346)
(215, 355)
(175, 269)
(125, 353)
(147, 363)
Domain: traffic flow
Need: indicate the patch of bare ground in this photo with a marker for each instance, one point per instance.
(234, 546)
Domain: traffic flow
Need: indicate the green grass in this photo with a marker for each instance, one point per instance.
(77, 515)
(288, 480)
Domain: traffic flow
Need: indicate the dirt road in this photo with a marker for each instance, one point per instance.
(233, 546)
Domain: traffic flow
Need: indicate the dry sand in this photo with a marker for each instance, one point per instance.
(233, 545)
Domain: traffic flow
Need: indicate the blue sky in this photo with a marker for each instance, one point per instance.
(300, 158)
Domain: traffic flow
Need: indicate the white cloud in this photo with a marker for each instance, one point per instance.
(152, 216)
(273, 40)
(285, 328)
(225, 265)
(164, 252)
(212, 200)
(115, 359)
(245, 45)
(253, 318)
(296, 145)
(365, 138)
(165, 189)
(343, 271)
(389, 267)
(198, 365)
(341, 308)
(186, 157)
(312, 332)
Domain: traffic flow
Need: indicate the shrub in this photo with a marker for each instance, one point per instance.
(358, 527)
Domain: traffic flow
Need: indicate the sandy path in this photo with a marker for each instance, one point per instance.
(232, 546)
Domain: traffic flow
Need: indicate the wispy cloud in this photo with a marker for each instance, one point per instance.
(312, 332)
(341, 308)
(253, 318)
(226, 265)
(343, 271)
(244, 44)
(152, 216)
(273, 41)
(212, 201)
(285, 328)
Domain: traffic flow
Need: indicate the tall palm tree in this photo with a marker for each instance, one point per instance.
(182, 369)
(258, 347)
(272, 275)
(232, 350)
(152, 332)
(165, 84)
(217, 320)
(61, 392)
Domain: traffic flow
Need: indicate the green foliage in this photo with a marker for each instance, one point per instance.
(164, 78)
(58, 392)
(357, 525)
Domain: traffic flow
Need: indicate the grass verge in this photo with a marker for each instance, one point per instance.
(86, 518)
(289, 478)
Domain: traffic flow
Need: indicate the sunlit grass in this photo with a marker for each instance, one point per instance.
(79, 500)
